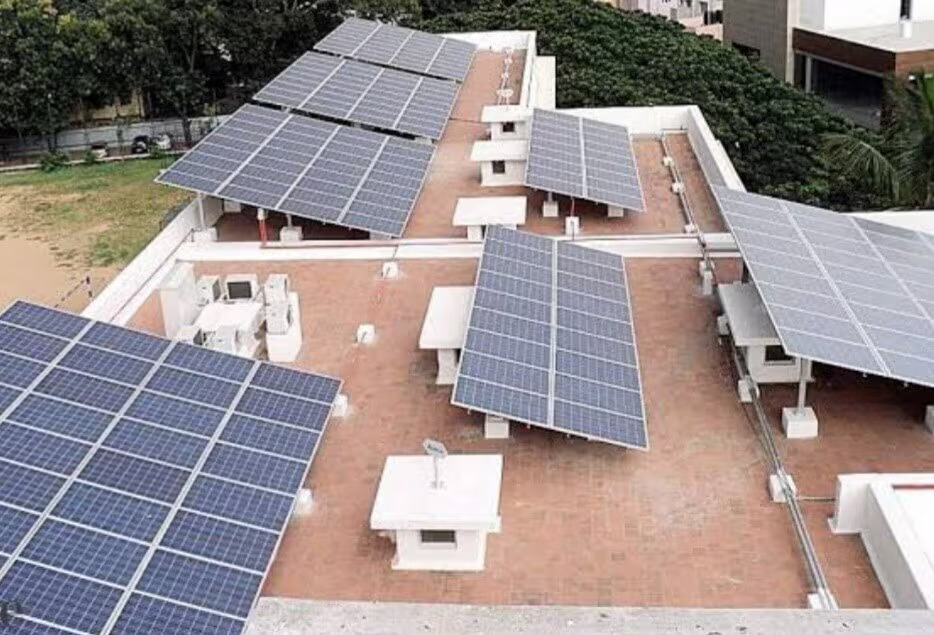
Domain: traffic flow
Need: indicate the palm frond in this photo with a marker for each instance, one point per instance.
(860, 159)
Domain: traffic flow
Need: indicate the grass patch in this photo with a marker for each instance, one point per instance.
(97, 215)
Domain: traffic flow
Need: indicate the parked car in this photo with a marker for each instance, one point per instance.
(145, 143)
(99, 150)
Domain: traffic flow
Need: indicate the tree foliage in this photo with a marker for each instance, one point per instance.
(606, 57)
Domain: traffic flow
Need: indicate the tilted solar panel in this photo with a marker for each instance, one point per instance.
(583, 158)
(840, 289)
(354, 91)
(399, 47)
(550, 340)
(314, 169)
(150, 500)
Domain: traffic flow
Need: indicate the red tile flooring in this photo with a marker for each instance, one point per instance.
(688, 523)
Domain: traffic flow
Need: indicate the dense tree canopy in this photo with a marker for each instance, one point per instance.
(606, 57)
(189, 56)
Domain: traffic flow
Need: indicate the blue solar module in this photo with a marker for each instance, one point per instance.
(238, 502)
(151, 442)
(254, 468)
(64, 418)
(14, 524)
(126, 341)
(220, 540)
(133, 475)
(42, 319)
(144, 615)
(27, 488)
(111, 511)
(94, 459)
(550, 340)
(38, 449)
(296, 383)
(106, 364)
(212, 586)
(88, 391)
(7, 397)
(28, 344)
(85, 551)
(59, 598)
(17, 371)
(181, 415)
(276, 407)
(210, 362)
(194, 387)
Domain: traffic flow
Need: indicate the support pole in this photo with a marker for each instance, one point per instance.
(803, 384)
(288, 219)
(808, 74)
(201, 210)
(261, 217)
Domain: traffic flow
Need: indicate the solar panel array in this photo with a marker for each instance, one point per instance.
(309, 168)
(144, 484)
(840, 289)
(550, 340)
(399, 47)
(583, 158)
(394, 100)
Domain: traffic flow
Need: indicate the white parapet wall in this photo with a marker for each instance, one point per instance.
(123, 296)
(894, 516)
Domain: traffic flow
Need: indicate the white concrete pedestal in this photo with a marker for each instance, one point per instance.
(615, 212)
(550, 209)
(439, 527)
(290, 234)
(745, 388)
(208, 235)
(572, 226)
(929, 418)
(475, 232)
(447, 366)
(799, 423)
(776, 493)
(495, 427)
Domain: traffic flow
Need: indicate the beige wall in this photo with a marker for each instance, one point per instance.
(764, 25)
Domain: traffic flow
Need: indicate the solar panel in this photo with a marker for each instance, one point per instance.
(842, 290)
(140, 491)
(353, 91)
(399, 47)
(313, 169)
(550, 340)
(583, 158)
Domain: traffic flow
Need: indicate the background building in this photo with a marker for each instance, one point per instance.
(840, 49)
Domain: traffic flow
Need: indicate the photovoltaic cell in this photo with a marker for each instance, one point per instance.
(843, 298)
(399, 47)
(361, 93)
(570, 365)
(77, 520)
(310, 168)
(584, 159)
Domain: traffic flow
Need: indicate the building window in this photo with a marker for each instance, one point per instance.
(509, 126)
(776, 355)
(751, 53)
(499, 167)
(438, 537)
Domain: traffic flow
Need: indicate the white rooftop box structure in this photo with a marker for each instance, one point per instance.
(477, 212)
(501, 162)
(440, 528)
(506, 121)
(445, 328)
(894, 515)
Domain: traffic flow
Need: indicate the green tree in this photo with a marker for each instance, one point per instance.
(48, 62)
(902, 164)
